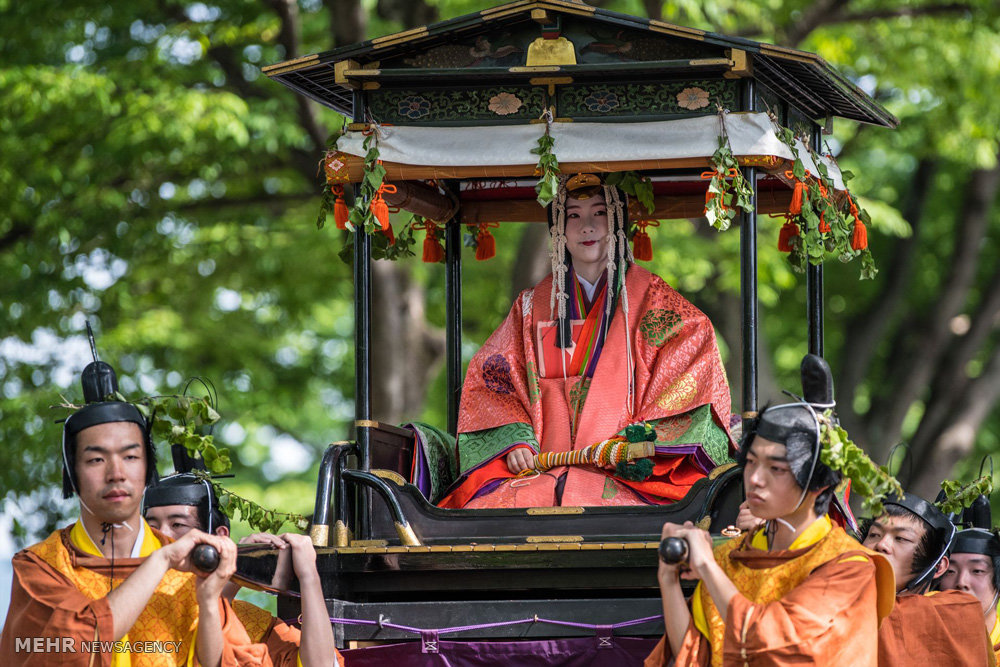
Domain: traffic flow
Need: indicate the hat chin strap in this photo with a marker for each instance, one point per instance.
(922, 580)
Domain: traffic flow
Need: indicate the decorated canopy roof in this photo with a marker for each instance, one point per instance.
(505, 64)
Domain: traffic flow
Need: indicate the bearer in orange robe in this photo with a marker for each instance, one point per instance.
(109, 577)
(181, 503)
(974, 568)
(797, 591)
(936, 628)
(596, 346)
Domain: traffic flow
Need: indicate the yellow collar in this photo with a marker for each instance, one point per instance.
(816, 531)
(995, 633)
(81, 539)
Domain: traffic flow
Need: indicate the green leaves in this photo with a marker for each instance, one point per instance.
(958, 496)
(728, 189)
(547, 169)
(868, 480)
(259, 518)
(634, 185)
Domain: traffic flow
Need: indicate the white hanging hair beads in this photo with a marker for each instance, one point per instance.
(557, 252)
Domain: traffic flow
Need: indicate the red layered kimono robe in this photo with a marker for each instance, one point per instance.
(663, 368)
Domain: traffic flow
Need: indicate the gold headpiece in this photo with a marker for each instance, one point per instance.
(583, 186)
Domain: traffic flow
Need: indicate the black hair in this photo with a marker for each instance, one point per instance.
(801, 451)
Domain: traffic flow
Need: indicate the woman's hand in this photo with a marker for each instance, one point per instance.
(520, 459)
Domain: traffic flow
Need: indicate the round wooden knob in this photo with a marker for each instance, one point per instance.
(673, 550)
(205, 557)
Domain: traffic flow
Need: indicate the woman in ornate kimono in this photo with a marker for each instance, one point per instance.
(598, 345)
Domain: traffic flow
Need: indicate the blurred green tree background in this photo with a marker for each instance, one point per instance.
(154, 182)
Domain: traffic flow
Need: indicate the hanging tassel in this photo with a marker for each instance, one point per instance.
(642, 245)
(486, 245)
(859, 238)
(788, 231)
(798, 194)
(340, 213)
(823, 227)
(433, 250)
(378, 206)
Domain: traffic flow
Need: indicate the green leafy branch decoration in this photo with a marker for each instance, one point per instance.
(728, 189)
(548, 166)
(634, 185)
(958, 496)
(256, 516)
(869, 480)
(817, 223)
(176, 419)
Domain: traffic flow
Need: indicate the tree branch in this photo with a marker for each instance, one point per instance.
(869, 326)
(958, 439)
(980, 192)
(819, 13)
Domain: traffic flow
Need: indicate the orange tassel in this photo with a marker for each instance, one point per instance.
(486, 245)
(859, 239)
(379, 208)
(788, 231)
(642, 245)
(823, 227)
(433, 250)
(340, 213)
(389, 234)
(800, 191)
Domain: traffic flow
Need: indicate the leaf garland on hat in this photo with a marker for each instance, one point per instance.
(959, 496)
(176, 419)
(869, 480)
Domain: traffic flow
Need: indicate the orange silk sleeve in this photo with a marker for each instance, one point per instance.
(695, 651)
(828, 619)
(45, 604)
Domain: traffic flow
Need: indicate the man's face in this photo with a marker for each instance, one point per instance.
(174, 520)
(897, 538)
(770, 486)
(972, 573)
(111, 470)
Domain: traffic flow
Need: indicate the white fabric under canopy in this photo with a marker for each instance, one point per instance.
(750, 134)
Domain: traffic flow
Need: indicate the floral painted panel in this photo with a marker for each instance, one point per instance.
(496, 103)
(646, 99)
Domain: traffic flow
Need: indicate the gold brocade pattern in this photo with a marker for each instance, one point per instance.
(171, 614)
(765, 585)
(257, 621)
(680, 394)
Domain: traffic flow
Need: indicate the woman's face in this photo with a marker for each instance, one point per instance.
(587, 235)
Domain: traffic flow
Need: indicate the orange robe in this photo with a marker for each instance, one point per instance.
(282, 640)
(943, 628)
(995, 636)
(511, 399)
(58, 594)
(818, 603)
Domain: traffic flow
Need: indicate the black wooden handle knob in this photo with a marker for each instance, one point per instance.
(205, 557)
(673, 550)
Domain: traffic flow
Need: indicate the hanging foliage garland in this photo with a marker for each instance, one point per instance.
(818, 221)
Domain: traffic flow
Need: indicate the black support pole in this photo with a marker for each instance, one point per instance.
(453, 322)
(362, 347)
(814, 281)
(748, 278)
